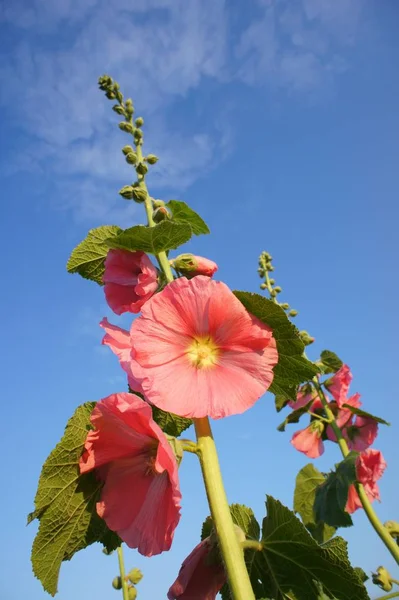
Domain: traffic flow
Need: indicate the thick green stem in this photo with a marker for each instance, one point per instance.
(125, 588)
(229, 545)
(381, 531)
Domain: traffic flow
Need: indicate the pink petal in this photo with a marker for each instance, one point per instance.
(118, 340)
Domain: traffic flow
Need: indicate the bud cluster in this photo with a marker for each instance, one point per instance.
(132, 578)
(266, 267)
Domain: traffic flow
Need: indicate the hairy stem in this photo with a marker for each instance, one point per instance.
(375, 522)
(230, 547)
(125, 589)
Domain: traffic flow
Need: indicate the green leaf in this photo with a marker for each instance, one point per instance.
(280, 402)
(332, 495)
(170, 423)
(363, 413)
(331, 362)
(307, 482)
(292, 367)
(65, 504)
(361, 574)
(88, 257)
(294, 416)
(293, 565)
(153, 240)
(182, 213)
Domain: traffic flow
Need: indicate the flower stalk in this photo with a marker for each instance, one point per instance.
(125, 588)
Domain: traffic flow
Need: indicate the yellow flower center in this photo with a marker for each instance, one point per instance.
(203, 352)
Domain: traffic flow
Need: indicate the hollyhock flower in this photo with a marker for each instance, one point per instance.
(361, 434)
(191, 265)
(338, 385)
(140, 499)
(118, 340)
(197, 352)
(309, 440)
(370, 466)
(199, 578)
(306, 394)
(130, 280)
(344, 416)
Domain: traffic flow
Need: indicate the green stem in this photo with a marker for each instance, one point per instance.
(252, 545)
(125, 589)
(230, 547)
(375, 522)
(396, 581)
(389, 596)
(189, 446)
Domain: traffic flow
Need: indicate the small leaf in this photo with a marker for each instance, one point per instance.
(153, 240)
(88, 257)
(331, 362)
(332, 495)
(362, 413)
(170, 423)
(307, 482)
(182, 213)
(280, 402)
(294, 416)
(65, 504)
(292, 367)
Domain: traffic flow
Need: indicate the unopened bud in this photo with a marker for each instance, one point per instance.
(131, 158)
(263, 286)
(129, 107)
(190, 265)
(269, 267)
(273, 293)
(158, 203)
(132, 593)
(306, 338)
(110, 95)
(383, 578)
(278, 289)
(393, 528)
(128, 127)
(127, 149)
(152, 159)
(161, 214)
(117, 583)
(139, 122)
(135, 575)
(127, 192)
(119, 109)
(272, 281)
(142, 168)
(285, 305)
(139, 194)
(138, 134)
(293, 313)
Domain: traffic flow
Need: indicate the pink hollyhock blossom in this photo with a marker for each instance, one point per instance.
(118, 340)
(140, 499)
(191, 265)
(338, 385)
(197, 352)
(199, 577)
(361, 434)
(370, 466)
(344, 416)
(130, 280)
(309, 440)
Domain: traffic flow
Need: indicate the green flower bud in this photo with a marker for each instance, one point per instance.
(306, 338)
(116, 86)
(104, 82)
(131, 158)
(393, 528)
(152, 159)
(161, 214)
(278, 289)
(263, 286)
(285, 306)
(127, 192)
(273, 293)
(141, 168)
(119, 97)
(110, 95)
(139, 122)
(117, 583)
(138, 134)
(139, 194)
(269, 267)
(129, 107)
(135, 575)
(119, 109)
(132, 593)
(158, 203)
(293, 313)
(127, 127)
(272, 282)
(127, 149)
(383, 578)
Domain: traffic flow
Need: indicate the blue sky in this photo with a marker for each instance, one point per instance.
(278, 122)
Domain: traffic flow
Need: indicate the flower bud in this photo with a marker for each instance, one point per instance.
(139, 194)
(278, 289)
(127, 149)
(132, 593)
(383, 578)
(272, 281)
(306, 338)
(117, 583)
(127, 127)
(127, 192)
(119, 109)
(110, 95)
(273, 293)
(138, 134)
(131, 158)
(393, 528)
(139, 122)
(263, 286)
(285, 305)
(270, 267)
(293, 313)
(191, 265)
(135, 575)
(152, 159)
(161, 214)
(141, 168)
(158, 203)
(129, 107)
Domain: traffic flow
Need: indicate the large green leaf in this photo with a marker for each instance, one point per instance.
(65, 504)
(306, 484)
(330, 361)
(362, 413)
(332, 495)
(88, 257)
(170, 423)
(153, 240)
(182, 213)
(292, 367)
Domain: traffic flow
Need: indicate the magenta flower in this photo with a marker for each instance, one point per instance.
(361, 434)
(140, 499)
(344, 416)
(130, 280)
(370, 466)
(197, 352)
(199, 578)
(191, 265)
(338, 385)
(309, 440)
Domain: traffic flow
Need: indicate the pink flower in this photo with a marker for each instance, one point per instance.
(191, 265)
(140, 499)
(344, 416)
(309, 440)
(370, 466)
(361, 434)
(118, 340)
(338, 385)
(199, 577)
(197, 352)
(130, 280)
(306, 394)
